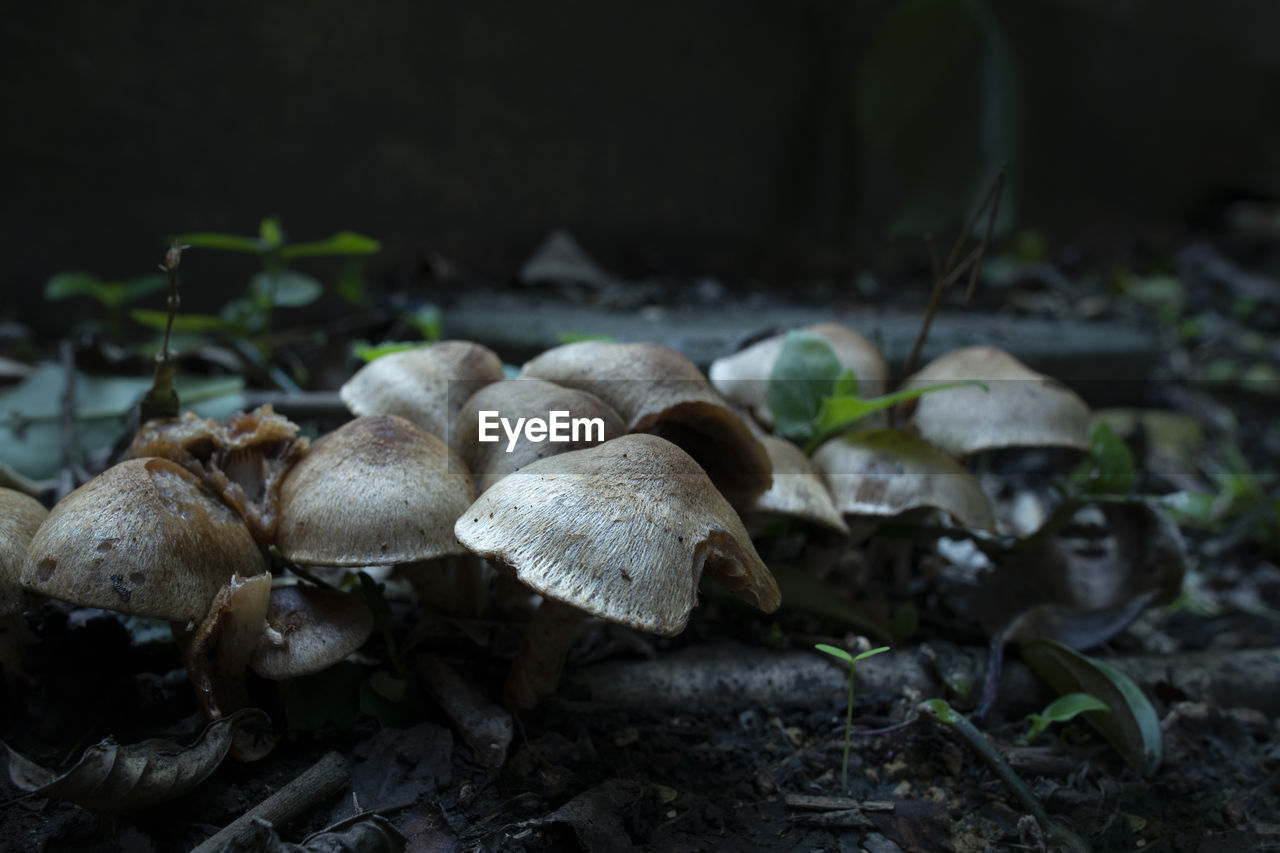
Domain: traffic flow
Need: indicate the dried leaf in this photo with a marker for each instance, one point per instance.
(110, 777)
(1131, 726)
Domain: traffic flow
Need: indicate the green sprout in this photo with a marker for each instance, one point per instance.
(1061, 710)
(113, 296)
(852, 660)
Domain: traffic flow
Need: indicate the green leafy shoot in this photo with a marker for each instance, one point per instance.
(426, 320)
(579, 337)
(1061, 710)
(852, 660)
(113, 296)
(814, 398)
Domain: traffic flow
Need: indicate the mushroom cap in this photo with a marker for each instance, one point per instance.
(657, 390)
(377, 490)
(142, 537)
(623, 530)
(1023, 408)
(427, 385)
(316, 629)
(885, 472)
(524, 398)
(20, 517)
(797, 490)
(743, 377)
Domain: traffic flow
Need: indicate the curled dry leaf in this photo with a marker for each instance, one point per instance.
(111, 777)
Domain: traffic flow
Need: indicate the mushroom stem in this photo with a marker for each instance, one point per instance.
(535, 671)
(218, 652)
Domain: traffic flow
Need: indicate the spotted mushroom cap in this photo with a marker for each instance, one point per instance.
(310, 629)
(20, 517)
(525, 398)
(623, 530)
(427, 385)
(143, 537)
(1022, 408)
(657, 390)
(378, 490)
(743, 377)
(886, 472)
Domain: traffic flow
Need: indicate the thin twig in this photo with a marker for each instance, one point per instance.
(316, 784)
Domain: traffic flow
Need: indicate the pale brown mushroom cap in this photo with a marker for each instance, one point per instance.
(657, 390)
(20, 517)
(886, 472)
(143, 537)
(1022, 409)
(798, 490)
(376, 491)
(525, 398)
(743, 377)
(427, 386)
(310, 629)
(622, 531)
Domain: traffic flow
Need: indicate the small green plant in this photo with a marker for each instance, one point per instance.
(274, 286)
(852, 660)
(1061, 710)
(425, 319)
(112, 296)
(813, 398)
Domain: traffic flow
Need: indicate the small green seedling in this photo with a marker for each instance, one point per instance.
(113, 296)
(1061, 710)
(852, 660)
(813, 398)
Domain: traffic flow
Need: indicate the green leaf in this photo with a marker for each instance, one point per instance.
(196, 323)
(68, 284)
(287, 289)
(870, 653)
(368, 352)
(426, 319)
(342, 243)
(132, 291)
(350, 283)
(225, 242)
(271, 233)
(1110, 468)
(846, 384)
(579, 337)
(834, 652)
(1061, 710)
(1132, 726)
(838, 413)
(804, 373)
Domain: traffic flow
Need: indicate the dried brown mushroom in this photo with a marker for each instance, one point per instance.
(657, 390)
(427, 386)
(1022, 408)
(217, 653)
(143, 537)
(20, 516)
(516, 399)
(743, 377)
(242, 459)
(623, 531)
(885, 472)
(377, 491)
(309, 629)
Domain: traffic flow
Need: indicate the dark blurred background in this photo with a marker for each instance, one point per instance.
(771, 140)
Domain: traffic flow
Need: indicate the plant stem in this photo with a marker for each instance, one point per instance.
(848, 734)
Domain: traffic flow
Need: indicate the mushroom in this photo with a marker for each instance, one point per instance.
(380, 490)
(427, 385)
(798, 490)
(376, 491)
(242, 460)
(20, 517)
(309, 629)
(1023, 408)
(885, 472)
(524, 399)
(743, 377)
(623, 531)
(143, 537)
(657, 390)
